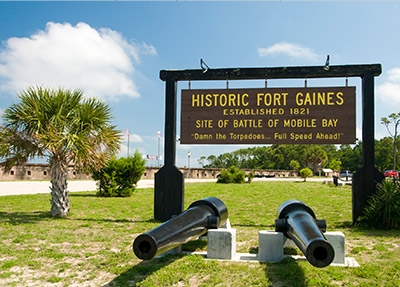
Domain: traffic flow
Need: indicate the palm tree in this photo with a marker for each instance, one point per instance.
(62, 126)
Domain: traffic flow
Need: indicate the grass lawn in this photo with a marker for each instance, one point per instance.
(93, 246)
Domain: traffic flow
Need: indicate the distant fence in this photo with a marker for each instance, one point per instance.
(41, 172)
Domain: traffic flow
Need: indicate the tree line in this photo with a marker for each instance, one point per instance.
(288, 157)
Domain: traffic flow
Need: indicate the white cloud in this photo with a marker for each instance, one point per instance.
(290, 49)
(389, 92)
(394, 75)
(100, 62)
(135, 138)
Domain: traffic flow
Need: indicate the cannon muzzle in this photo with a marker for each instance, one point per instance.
(297, 221)
(201, 215)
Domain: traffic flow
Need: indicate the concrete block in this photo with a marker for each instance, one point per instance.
(221, 243)
(337, 240)
(270, 246)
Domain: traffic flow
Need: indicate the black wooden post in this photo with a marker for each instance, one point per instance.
(368, 125)
(367, 176)
(169, 182)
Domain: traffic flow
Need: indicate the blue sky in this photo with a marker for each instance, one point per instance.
(115, 50)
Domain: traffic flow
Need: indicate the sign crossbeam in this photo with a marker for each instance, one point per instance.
(336, 71)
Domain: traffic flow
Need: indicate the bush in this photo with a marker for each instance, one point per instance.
(383, 208)
(305, 172)
(250, 177)
(120, 176)
(231, 175)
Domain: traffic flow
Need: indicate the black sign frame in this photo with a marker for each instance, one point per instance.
(169, 181)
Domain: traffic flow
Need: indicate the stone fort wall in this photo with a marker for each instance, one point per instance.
(41, 172)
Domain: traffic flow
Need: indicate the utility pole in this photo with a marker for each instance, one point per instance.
(158, 155)
(189, 164)
(127, 133)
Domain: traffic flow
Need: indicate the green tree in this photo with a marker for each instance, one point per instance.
(305, 172)
(315, 155)
(294, 164)
(335, 164)
(276, 155)
(211, 161)
(351, 157)
(383, 153)
(259, 157)
(62, 126)
(201, 160)
(386, 121)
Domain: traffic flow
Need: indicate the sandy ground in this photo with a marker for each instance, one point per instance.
(32, 187)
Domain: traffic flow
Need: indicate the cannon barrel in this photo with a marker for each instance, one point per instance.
(298, 222)
(201, 215)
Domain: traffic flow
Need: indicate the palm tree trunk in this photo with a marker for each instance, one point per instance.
(59, 191)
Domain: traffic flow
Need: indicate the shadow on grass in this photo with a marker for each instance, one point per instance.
(16, 218)
(342, 225)
(113, 220)
(80, 194)
(142, 270)
(286, 273)
(260, 226)
(366, 231)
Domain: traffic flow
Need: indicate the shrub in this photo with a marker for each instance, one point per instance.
(250, 177)
(120, 176)
(383, 208)
(305, 172)
(231, 175)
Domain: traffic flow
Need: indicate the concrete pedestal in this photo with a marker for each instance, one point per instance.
(337, 240)
(221, 243)
(271, 244)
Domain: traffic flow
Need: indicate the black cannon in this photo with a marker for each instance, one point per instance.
(201, 215)
(297, 221)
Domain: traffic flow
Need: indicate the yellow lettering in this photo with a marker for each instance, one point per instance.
(221, 100)
(201, 124)
(208, 101)
(247, 123)
(340, 100)
(196, 101)
(299, 123)
(319, 98)
(268, 99)
(296, 136)
(329, 123)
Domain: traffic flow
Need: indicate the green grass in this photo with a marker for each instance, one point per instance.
(93, 246)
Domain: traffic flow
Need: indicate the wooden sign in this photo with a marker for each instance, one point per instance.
(268, 116)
